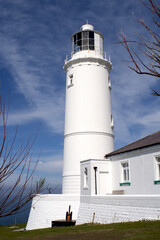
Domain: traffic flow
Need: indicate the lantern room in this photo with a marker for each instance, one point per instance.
(87, 40)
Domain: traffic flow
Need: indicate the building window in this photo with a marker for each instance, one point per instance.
(70, 81)
(125, 174)
(85, 177)
(157, 181)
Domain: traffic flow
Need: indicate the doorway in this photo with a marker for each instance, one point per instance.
(104, 185)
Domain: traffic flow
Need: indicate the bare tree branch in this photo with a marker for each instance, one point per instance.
(18, 163)
(147, 61)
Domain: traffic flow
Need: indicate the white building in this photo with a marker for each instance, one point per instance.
(136, 167)
(133, 169)
(132, 191)
(100, 184)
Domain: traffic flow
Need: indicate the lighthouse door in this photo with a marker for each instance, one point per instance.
(103, 183)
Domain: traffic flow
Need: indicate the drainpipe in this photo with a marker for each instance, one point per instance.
(95, 172)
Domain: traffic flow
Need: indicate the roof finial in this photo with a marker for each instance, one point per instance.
(87, 21)
(87, 27)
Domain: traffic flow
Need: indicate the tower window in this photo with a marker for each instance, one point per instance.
(70, 81)
(112, 125)
(109, 82)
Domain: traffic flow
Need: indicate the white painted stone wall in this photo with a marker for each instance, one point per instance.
(49, 207)
(110, 209)
(142, 169)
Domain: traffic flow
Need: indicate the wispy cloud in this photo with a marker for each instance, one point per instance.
(51, 164)
(49, 167)
(33, 66)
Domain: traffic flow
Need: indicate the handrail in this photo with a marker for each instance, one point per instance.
(97, 54)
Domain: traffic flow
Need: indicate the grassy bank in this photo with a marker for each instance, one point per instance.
(147, 230)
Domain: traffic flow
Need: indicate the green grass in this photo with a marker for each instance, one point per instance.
(148, 230)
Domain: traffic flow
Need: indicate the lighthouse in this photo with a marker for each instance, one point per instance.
(88, 132)
(94, 176)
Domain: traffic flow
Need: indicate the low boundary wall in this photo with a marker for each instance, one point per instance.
(118, 208)
(49, 207)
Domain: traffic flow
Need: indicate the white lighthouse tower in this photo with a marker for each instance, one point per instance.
(88, 116)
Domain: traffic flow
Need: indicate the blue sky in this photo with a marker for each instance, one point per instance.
(35, 37)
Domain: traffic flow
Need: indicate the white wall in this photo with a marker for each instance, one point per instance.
(110, 209)
(88, 103)
(103, 177)
(86, 190)
(142, 171)
(49, 207)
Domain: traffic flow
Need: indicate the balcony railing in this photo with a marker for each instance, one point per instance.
(87, 53)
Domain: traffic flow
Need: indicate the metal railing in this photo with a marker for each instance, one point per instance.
(88, 53)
